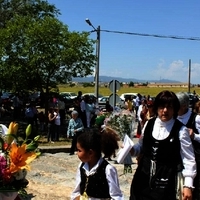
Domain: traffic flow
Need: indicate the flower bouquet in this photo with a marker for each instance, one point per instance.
(15, 156)
(122, 121)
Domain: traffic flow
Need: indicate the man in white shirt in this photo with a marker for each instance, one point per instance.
(140, 124)
(61, 108)
(83, 112)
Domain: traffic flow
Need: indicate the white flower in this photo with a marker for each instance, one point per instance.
(2, 154)
(121, 122)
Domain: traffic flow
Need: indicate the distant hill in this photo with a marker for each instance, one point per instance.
(106, 79)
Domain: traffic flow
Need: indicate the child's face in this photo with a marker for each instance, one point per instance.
(83, 155)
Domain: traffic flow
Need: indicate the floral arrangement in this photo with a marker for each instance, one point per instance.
(121, 121)
(15, 156)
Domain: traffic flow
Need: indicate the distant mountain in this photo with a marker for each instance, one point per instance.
(106, 79)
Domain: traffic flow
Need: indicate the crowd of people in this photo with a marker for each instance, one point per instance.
(168, 151)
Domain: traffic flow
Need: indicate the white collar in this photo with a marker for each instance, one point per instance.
(94, 169)
(165, 124)
(186, 115)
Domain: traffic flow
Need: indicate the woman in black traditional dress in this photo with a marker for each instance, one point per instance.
(166, 149)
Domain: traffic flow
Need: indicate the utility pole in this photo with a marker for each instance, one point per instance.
(98, 56)
(189, 75)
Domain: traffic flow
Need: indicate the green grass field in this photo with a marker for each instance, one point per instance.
(142, 90)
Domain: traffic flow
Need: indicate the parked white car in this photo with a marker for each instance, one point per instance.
(125, 95)
(102, 101)
(72, 95)
(93, 95)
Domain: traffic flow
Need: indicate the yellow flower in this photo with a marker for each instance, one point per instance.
(13, 128)
(19, 158)
(28, 130)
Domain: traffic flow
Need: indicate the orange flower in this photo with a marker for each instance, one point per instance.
(19, 158)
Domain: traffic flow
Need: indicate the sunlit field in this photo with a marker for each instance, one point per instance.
(142, 90)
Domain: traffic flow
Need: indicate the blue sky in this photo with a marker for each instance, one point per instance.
(139, 57)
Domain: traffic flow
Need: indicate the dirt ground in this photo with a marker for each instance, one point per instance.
(52, 177)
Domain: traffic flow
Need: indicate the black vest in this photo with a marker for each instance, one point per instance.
(164, 155)
(196, 145)
(95, 185)
(159, 150)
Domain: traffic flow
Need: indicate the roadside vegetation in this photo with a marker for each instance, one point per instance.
(144, 90)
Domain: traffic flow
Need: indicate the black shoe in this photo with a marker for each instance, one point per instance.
(71, 154)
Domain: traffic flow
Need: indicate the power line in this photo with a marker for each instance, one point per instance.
(154, 35)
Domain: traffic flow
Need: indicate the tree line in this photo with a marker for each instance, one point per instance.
(37, 50)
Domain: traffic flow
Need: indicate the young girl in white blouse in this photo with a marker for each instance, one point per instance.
(96, 178)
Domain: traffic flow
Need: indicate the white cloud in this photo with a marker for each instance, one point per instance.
(195, 73)
(176, 70)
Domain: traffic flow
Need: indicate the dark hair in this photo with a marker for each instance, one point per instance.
(197, 107)
(150, 103)
(167, 98)
(51, 110)
(101, 142)
(86, 98)
(144, 101)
